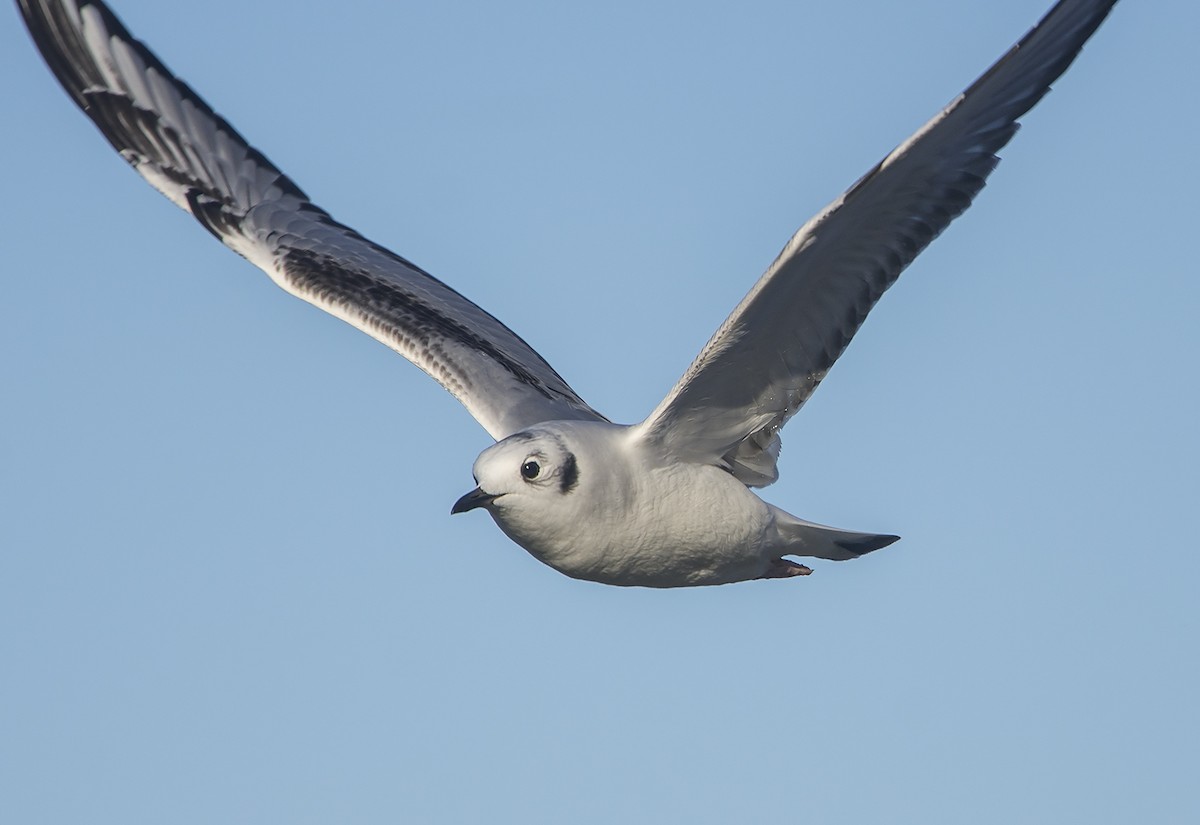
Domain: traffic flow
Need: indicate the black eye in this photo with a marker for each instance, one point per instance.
(530, 470)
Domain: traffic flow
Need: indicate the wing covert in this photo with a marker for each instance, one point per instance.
(769, 355)
(195, 158)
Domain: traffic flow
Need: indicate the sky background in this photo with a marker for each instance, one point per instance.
(230, 587)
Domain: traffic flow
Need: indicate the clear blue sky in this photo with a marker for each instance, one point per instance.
(230, 589)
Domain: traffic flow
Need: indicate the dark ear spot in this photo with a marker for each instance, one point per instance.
(570, 474)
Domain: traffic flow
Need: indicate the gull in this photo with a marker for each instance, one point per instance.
(667, 502)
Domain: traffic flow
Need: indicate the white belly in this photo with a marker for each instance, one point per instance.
(676, 526)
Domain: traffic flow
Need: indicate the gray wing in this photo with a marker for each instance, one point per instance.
(772, 352)
(191, 155)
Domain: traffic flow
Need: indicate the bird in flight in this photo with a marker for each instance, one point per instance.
(666, 502)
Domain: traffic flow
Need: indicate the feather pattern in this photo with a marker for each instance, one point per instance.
(195, 158)
(778, 344)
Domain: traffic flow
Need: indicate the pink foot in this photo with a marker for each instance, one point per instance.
(785, 569)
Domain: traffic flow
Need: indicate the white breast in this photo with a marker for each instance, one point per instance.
(635, 520)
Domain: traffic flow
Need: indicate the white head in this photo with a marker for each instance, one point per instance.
(562, 490)
(525, 482)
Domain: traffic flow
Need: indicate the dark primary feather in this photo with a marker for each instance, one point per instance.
(777, 345)
(195, 158)
(756, 371)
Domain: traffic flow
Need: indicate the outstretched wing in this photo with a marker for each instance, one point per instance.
(772, 352)
(191, 155)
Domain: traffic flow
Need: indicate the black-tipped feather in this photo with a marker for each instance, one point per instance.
(195, 158)
(779, 343)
